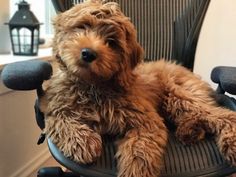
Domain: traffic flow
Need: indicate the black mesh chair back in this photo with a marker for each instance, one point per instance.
(63, 5)
(166, 28)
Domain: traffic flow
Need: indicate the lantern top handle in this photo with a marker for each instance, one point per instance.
(23, 5)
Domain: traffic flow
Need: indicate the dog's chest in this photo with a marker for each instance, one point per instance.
(105, 112)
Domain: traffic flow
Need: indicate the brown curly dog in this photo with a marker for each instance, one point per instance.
(103, 87)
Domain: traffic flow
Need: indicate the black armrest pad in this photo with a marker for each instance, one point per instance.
(26, 75)
(225, 76)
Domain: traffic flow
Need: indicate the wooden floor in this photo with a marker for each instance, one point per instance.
(51, 162)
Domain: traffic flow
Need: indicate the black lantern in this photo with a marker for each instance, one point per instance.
(24, 31)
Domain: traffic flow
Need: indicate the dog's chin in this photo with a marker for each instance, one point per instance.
(87, 75)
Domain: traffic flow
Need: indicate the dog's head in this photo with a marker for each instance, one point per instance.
(96, 42)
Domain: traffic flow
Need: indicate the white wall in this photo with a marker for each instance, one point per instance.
(217, 41)
(5, 46)
(19, 152)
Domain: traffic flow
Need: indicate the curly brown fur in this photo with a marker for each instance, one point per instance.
(119, 94)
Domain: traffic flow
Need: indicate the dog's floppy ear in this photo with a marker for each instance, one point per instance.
(136, 51)
(136, 55)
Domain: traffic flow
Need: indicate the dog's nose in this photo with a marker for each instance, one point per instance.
(88, 54)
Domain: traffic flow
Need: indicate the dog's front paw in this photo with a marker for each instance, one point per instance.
(227, 145)
(76, 141)
(82, 147)
(190, 132)
(134, 168)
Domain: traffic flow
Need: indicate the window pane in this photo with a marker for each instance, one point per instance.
(49, 15)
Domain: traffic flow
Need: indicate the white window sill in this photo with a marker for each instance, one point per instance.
(5, 59)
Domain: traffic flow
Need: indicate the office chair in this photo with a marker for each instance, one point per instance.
(201, 159)
(166, 29)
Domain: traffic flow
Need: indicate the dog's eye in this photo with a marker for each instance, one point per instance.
(111, 42)
(84, 26)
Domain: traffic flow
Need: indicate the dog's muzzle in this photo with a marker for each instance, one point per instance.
(88, 55)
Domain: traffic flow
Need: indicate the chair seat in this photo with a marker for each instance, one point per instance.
(201, 159)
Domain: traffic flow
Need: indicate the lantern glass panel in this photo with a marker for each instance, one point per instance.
(15, 40)
(36, 40)
(16, 48)
(25, 40)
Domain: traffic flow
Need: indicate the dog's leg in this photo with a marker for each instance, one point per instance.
(141, 151)
(77, 141)
(194, 117)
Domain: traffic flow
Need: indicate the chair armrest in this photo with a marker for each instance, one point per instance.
(225, 76)
(26, 75)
